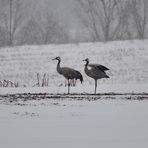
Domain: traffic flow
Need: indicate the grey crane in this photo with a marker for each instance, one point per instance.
(68, 73)
(95, 71)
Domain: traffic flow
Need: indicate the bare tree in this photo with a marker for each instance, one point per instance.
(88, 17)
(123, 29)
(51, 30)
(30, 33)
(12, 16)
(139, 11)
(105, 18)
(3, 36)
(42, 30)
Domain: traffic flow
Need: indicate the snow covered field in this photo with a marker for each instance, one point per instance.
(70, 123)
(127, 61)
(56, 120)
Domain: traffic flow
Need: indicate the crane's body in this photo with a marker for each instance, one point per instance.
(95, 71)
(68, 73)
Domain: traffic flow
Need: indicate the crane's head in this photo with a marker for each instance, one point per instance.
(57, 58)
(86, 60)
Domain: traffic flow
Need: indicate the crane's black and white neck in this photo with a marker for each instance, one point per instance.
(59, 70)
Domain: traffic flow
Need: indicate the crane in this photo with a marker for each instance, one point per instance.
(68, 73)
(95, 71)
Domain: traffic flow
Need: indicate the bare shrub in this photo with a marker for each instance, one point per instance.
(42, 81)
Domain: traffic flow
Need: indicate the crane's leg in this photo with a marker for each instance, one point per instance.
(95, 86)
(68, 86)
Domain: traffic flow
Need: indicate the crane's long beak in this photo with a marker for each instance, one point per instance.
(54, 59)
(84, 60)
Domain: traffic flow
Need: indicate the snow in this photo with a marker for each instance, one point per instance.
(127, 61)
(81, 89)
(72, 123)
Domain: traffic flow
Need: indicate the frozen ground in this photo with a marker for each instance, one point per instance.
(73, 123)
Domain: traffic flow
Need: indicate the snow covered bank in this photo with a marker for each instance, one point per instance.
(110, 88)
(70, 124)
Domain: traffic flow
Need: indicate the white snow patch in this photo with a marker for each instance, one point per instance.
(70, 124)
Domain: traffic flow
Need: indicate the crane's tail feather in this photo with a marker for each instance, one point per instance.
(79, 76)
(107, 76)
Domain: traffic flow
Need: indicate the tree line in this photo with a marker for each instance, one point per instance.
(115, 19)
(21, 22)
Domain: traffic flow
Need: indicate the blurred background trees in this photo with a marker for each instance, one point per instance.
(115, 19)
(38, 22)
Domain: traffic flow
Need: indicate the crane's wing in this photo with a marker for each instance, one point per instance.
(98, 66)
(68, 73)
(78, 75)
